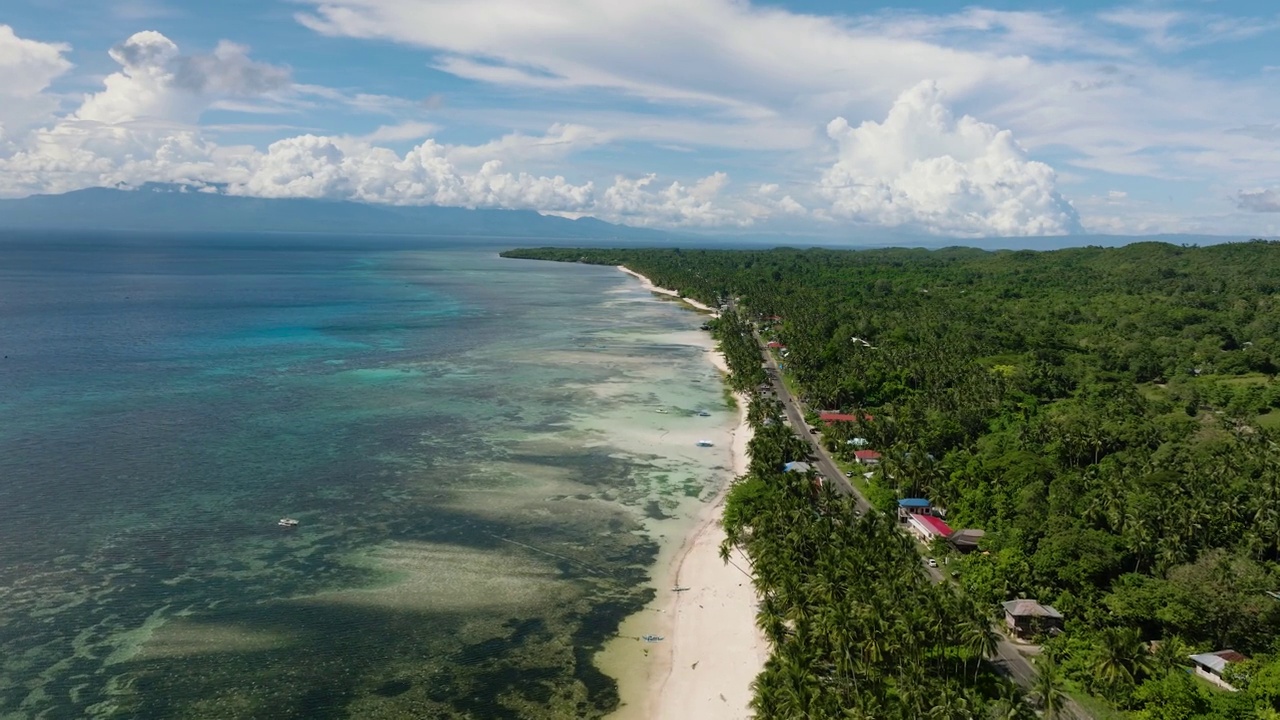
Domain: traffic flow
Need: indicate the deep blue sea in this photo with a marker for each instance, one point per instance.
(461, 437)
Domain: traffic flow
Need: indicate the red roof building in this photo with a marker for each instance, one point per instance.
(866, 457)
(774, 344)
(830, 417)
(928, 527)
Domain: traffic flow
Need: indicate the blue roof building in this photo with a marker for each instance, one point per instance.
(913, 503)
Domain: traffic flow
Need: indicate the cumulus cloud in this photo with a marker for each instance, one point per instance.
(157, 82)
(142, 127)
(925, 168)
(339, 168)
(27, 68)
(1260, 200)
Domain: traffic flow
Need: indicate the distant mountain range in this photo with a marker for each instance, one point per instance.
(159, 207)
(173, 208)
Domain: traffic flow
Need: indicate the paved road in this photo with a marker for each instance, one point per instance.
(825, 465)
(1016, 666)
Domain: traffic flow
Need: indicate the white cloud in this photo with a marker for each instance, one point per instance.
(737, 74)
(400, 132)
(142, 127)
(27, 67)
(1260, 200)
(559, 141)
(925, 168)
(157, 82)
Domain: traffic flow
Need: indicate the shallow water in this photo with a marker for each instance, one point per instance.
(471, 445)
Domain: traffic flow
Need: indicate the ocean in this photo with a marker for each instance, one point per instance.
(484, 456)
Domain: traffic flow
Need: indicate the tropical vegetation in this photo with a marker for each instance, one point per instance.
(1109, 417)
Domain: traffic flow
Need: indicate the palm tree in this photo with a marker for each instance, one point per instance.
(1170, 655)
(1122, 658)
(981, 640)
(1048, 688)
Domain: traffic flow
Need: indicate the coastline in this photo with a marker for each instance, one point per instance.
(712, 648)
(648, 285)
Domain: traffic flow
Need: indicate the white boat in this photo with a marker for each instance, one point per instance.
(287, 522)
(705, 443)
(704, 413)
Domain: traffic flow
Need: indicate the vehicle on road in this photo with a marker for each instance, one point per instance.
(931, 563)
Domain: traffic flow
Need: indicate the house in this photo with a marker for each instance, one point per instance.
(1211, 666)
(800, 467)
(927, 527)
(906, 506)
(774, 345)
(834, 417)
(867, 457)
(966, 541)
(1027, 618)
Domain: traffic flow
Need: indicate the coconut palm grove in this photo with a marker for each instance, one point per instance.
(1108, 417)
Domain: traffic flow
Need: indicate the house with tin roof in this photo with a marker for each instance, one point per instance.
(1211, 666)
(1027, 618)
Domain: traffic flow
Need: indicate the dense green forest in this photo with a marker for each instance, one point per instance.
(1108, 416)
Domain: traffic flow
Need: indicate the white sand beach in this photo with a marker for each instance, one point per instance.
(711, 649)
(648, 285)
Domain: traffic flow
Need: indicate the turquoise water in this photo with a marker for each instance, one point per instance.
(469, 443)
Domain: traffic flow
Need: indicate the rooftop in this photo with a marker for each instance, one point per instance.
(844, 417)
(866, 454)
(933, 523)
(1217, 661)
(913, 502)
(1030, 608)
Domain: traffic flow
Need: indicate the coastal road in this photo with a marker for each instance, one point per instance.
(1008, 660)
(825, 465)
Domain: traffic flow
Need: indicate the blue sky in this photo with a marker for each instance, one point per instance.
(998, 118)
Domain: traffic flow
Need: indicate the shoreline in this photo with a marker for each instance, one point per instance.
(648, 285)
(712, 649)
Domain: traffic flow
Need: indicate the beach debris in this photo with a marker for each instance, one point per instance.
(652, 638)
(694, 666)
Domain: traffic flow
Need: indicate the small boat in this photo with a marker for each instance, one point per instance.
(679, 588)
(703, 413)
(287, 523)
(661, 410)
(705, 443)
(652, 638)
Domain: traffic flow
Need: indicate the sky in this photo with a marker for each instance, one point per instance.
(1006, 118)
